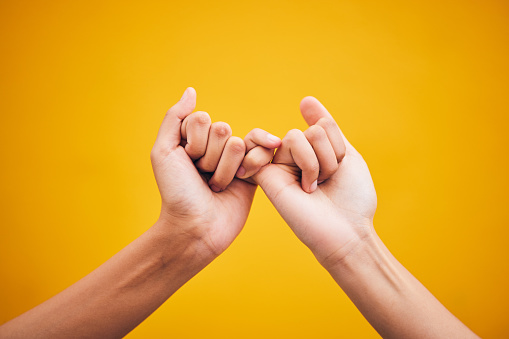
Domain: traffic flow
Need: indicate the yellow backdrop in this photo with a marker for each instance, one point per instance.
(420, 88)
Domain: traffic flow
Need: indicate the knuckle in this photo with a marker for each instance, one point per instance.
(237, 148)
(249, 163)
(315, 132)
(254, 161)
(236, 145)
(326, 122)
(221, 129)
(263, 156)
(292, 135)
(171, 111)
(253, 134)
(201, 118)
(156, 153)
(257, 131)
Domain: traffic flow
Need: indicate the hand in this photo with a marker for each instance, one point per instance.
(196, 224)
(214, 215)
(330, 217)
(215, 152)
(210, 145)
(260, 147)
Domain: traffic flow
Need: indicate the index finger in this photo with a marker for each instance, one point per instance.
(315, 113)
(312, 110)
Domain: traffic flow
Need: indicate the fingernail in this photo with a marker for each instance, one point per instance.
(313, 186)
(184, 96)
(273, 138)
(215, 188)
(241, 171)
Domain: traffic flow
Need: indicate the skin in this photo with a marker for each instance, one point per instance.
(189, 197)
(196, 224)
(335, 220)
(317, 181)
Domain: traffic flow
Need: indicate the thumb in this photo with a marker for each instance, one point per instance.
(169, 132)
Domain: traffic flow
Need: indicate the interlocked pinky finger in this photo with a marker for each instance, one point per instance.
(296, 150)
(259, 137)
(254, 160)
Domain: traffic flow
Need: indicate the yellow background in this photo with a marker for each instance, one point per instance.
(420, 88)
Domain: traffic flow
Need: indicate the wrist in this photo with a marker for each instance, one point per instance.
(365, 261)
(349, 238)
(362, 243)
(390, 298)
(183, 243)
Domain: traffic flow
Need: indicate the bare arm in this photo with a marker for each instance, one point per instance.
(322, 187)
(121, 293)
(394, 302)
(201, 215)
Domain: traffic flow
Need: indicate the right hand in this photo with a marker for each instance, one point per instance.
(195, 206)
(321, 186)
(195, 162)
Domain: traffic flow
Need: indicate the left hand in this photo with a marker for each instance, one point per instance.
(321, 186)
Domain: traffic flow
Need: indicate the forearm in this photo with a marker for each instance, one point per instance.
(395, 303)
(121, 293)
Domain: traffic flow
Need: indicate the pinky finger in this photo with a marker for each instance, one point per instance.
(254, 160)
(259, 137)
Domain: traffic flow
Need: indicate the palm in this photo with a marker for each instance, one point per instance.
(338, 212)
(351, 188)
(330, 217)
(188, 204)
(217, 217)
